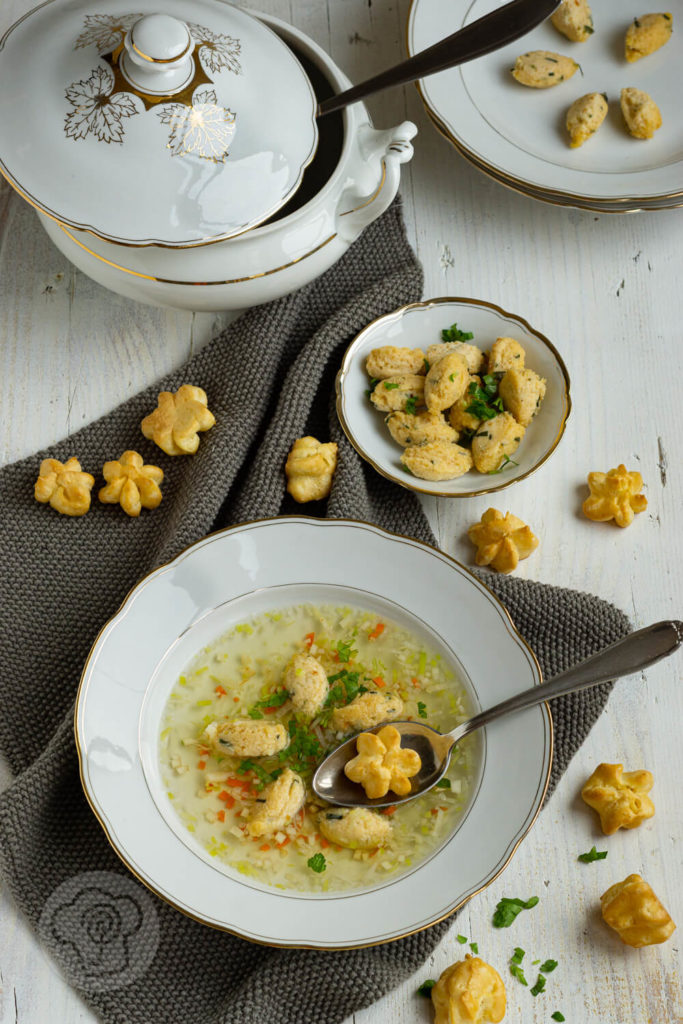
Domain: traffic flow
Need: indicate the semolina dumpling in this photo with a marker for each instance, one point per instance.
(641, 113)
(585, 116)
(541, 69)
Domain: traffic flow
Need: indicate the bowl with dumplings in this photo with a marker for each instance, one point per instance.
(453, 397)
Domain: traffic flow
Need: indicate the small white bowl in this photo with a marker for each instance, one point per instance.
(418, 326)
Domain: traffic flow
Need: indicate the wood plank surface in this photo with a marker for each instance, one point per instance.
(606, 290)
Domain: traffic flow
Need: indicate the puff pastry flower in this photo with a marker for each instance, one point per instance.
(635, 913)
(382, 764)
(501, 540)
(309, 469)
(65, 486)
(130, 484)
(177, 420)
(614, 495)
(469, 992)
(619, 797)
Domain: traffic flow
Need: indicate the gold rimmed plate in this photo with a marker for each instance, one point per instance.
(418, 326)
(517, 134)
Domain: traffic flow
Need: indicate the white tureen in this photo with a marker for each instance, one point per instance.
(180, 162)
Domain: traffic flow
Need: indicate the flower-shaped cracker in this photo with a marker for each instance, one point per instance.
(635, 913)
(614, 495)
(619, 797)
(175, 423)
(501, 540)
(309, 469)
(65, 486)
(469, 992)
(382, 764)
(131, 484)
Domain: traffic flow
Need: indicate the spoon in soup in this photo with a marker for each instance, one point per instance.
(632, 654)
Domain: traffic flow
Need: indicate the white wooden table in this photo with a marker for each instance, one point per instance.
(607, 290)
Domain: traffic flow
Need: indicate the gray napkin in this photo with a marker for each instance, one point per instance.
(269, 379)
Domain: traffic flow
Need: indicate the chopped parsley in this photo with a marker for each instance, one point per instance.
(475, 948)
(303, 747)
(593, 854)
(345, 650)
(269, 703)
(539, 986)
(426, 987)
(507, 910)
(462, 939)
(486, 403)
(411, 404)
(443, 784)
(558, 1016)
(515, 966)
(421, 709)
(548, 966)
(425, 361)
(259, 771)
(374, 381)
(317, 863)
(451, 377)
(390, 385)
(453, 333)
(507, 461)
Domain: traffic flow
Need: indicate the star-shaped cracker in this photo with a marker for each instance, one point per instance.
(501, 540)
(131, 484)
(619, 797)
(65, 486)
(615, 495)
(382, 763)
(176, 422)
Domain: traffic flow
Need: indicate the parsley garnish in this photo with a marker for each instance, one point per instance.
(507, 910)
(421, 709)
(507, 461)
(426, 365)
(345, 651)
(548, 966)
(593, 854)
(303, 746)
(539, 986)
(453, 333)
(390, 385)
(263, 776)
(344, 686)
(558, 1016)
(411, 404)
(443, 784)
(273, 700)
(462, 939)
(475, 948)
(486, 403)
(426, 987)
(515, 968)
(374, 381)
(317, 863)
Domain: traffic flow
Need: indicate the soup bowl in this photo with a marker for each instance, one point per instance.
(181, 608)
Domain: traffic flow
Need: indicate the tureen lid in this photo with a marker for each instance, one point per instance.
(149, 128)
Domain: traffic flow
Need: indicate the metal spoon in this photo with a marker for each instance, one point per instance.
(483, 36)
(633, 653)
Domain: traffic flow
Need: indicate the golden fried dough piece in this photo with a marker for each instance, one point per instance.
(366, 711)
(246, 737)
(416, 428)
(542, 69)
(496, 439)
(65, 486)
(175, 423)
(614, 495)
(131, 484)
(505, 354)
(309, 468)
(647, 34)
(458, 416)
(306, 681)
(469, 992)
(473, 356)
(573, 18)
(356, 828)
(437, 460)
(641, 113)
(392, 394)
(522, 392)
(619, 797)
(446, 382)
(585, 116)
(277, 804)
(501, 540)
(382, 764)
(635, 913)
(392, 361)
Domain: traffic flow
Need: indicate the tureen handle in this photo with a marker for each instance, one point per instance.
(157, 58)
(390, 149)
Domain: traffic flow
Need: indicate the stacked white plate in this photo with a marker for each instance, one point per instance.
(517, 135)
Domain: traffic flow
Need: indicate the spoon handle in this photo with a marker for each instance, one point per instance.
(633, 653)
(480, 37)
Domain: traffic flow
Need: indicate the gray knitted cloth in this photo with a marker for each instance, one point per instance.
(269, 378)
